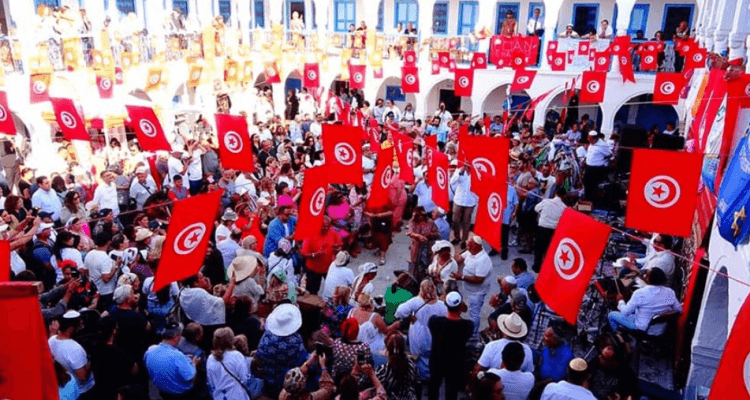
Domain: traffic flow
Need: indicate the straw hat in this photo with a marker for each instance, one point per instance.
(242, 267)
(143, 234)
(512, 326)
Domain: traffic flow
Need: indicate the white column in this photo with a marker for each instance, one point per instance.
(551, 13)
(322, 16)
(156, 14)
(275, 11)
(725, 13)
(426, 8)
(389, 7)
(244, 17)
(487, 15)
(370, 14)
(704, 21)
(740, 30)
(713, 22)
(624, 10)
(204, 13)
(23, 12)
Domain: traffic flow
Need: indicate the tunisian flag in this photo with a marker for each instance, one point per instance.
(410, 80)
(105, 84)
(649, 60)
(342, 146)
(492, 197)
(626, 67)
(602, 61)
(730, 381)
(522, 80)
(187, 237)
(405, 154)
(487, 156)
(357, 76)
(557, 61)
(272, 73)
(667, 87)
(410, 58)
(444, 59)
(312, 75)
(28, 371)
(695, 59)
(440, 180)
(575, 249)
(663, 191)
(313, 202)
(592, 86)
(70, 122)
(382, 179)
(7, 126)
(148, 129)
(464, 82)
(234, 143)
(39, 88)
(479, 61)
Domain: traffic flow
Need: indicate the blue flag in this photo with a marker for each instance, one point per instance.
(733, 206)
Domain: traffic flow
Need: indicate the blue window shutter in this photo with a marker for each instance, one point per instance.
(440, 18)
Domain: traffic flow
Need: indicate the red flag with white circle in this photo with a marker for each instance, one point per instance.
(147, 128)
(557, 62)
(312, 202)
(522, 80)
(602, 61)
(379, 196)
(571, 259)
(70, 122)
(312, 75)
(342, 147)
(272, 73)
(39, 88)
(696, 58)
(486, 156)
(357, 76)
(649, 60)
(187, 238)
(410, 80)
(105, 84)
(410, 58)
(439, 177)
(479, 61)
(7, 126)
(626, 67)
(667, 87)
(732, 379)
(592, 86)
(444, 59)
(405, 154)
(518, 61)
(663, 191)
(583, 47)
(492, 195)
(435, 67)
(234, 143)
(464, 82)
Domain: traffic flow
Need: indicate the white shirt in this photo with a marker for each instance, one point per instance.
(461, 182)
(663, 260)
(516, 384)
(581, 152)
(105, 196)
(48, 201)
(607, 31)
(141, 191)
(396, 113)
(316, 129)
(445, 118)
(492, 355)
(535, 24)
(175, 166)
(67, 253)
(203, 307)
(98, 263)
(565, 390)
(243, 182)
(337, 276)
(477, 265)
(598, 154)
(222, 232)
(73, 357)
(648, 302)
(219, 379)
(550, 211)
(368, 163)
(195, 168)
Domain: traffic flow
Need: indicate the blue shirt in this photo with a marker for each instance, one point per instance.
(554, 366)
(47, 201)
(424, 196)
(524, 280)
(277, 230)
(444, 228)
(169, 369)
(512, 200)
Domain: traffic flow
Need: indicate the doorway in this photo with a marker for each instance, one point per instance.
(452, 102)
(585, 18)
(673, 15)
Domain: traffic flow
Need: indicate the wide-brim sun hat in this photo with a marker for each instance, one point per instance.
(242, 267)
(512, 326)
(284, 320)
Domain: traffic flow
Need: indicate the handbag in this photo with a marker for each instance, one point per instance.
(175, 314)
(249, 394)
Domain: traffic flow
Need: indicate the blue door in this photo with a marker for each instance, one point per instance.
(502, 10)
(639, 20)
(468, 12)
(345, 15)
(406, 11)
(585, 18)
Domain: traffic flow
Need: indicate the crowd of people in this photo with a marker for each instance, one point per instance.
(271, 316)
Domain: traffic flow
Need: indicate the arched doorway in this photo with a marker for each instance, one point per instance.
(293, 82)
(498, 100)
(640, 110)
(390, 89)
(711, 330)
(574, 114)
(338, 84)
(442, 92)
